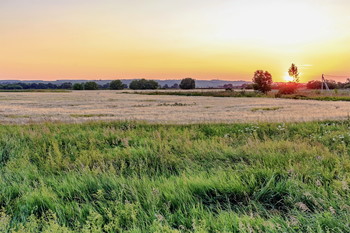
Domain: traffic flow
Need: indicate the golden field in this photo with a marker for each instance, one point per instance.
(79, 106)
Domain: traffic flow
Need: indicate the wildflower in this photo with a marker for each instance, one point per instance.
(318, 183)
(344, 185)
(293, 221)
(302, 206)
(155, 191)
(159, 217)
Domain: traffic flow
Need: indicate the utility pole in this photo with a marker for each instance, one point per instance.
(324, 83)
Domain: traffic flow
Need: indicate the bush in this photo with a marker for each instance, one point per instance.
(314, 84)
(188, 83)
(90, 86)
(78, 86)
(288, 88)
(116, 85)
(143, 84)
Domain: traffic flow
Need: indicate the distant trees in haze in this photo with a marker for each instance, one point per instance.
(188, 83)
(317, 84)
(175, 86)
(26, 86)
(78, 86)
(143, 84)
(90, 86)
(116, 85)
(262, 81)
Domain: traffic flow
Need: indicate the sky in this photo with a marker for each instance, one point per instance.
(163, 39)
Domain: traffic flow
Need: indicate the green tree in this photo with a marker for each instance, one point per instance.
(188, 83)
(66, 85)
(78, 86)
(91, 86)
(294, 73)
(143, 84)
(262, 81)
(116, 85)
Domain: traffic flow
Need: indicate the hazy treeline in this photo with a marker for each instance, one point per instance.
(139, 84)
(316, 84)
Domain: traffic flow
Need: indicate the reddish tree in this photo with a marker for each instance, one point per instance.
(262, 81)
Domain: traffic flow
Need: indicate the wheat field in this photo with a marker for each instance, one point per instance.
(80, 106)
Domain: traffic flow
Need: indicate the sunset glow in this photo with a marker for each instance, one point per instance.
(173, 39)
(287, 78)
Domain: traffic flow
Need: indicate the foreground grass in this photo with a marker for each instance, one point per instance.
(134, 177)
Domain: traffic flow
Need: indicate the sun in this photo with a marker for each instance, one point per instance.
(288, 78)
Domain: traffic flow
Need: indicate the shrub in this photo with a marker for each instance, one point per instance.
(143, 84)
(116, 85)
(78, 86)
(90, 86)
(314, 84)
(188, 83)
(288, 88)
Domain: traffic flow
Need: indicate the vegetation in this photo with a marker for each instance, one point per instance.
(117, 85)
(132, 177)
(205, 93)
(301, 94)
(316, 84)
(288, 88)
(188, 83)
(143, 84)
(262, 81)
(294, 73)
(266, 109)
(35, 90)
(78, 86)
(90, 86)
(34, 86)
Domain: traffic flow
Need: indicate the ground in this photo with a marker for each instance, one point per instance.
(79, 106)
(133, 176)
(137, 177)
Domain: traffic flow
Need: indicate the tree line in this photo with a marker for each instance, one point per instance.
(140, 84)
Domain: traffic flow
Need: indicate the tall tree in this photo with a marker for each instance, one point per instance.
(293, 72)
(262, 81)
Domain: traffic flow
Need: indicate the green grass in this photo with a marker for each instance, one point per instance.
(14, 116)
(302, 94)
(137, 177)
(204, 93)
(318, 97)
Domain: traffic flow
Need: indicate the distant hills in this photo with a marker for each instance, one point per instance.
(199, 83)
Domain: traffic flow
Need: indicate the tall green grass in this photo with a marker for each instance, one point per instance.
(137, 177)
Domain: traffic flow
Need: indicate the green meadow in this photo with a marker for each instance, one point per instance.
(140, 177)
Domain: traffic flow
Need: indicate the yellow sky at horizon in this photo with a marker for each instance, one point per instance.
(172, 39)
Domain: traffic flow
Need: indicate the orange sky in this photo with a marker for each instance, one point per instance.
(163, 39)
